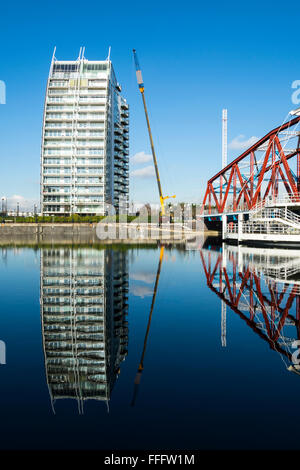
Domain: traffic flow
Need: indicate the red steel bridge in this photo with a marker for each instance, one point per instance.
(268, 169)
(259, 291)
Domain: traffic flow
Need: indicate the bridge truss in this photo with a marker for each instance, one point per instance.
(268, 169)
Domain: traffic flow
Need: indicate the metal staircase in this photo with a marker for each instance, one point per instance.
(268, 221)
(276, 215)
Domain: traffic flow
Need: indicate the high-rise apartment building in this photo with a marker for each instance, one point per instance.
(85, 143)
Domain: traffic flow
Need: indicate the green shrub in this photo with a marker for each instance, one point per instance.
(76, 218)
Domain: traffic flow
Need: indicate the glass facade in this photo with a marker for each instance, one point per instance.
(85, 140)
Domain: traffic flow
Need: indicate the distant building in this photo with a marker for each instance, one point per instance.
(85, 143)
(84, 308)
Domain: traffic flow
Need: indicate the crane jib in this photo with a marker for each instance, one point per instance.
(141, 88)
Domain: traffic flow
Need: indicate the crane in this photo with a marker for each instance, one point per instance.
(142, 90)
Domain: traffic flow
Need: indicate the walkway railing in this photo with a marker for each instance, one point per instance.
(269, 229)
(277, 213)
(263, 229)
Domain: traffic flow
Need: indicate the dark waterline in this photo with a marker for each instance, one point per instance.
(194, 393)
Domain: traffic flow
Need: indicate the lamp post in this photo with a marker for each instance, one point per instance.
(4, 205)
(18, 209)
(2, 210)
(35, 212)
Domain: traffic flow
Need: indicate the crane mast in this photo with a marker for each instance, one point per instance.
(142, 90)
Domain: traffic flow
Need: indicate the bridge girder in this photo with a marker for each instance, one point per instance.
(269, 170)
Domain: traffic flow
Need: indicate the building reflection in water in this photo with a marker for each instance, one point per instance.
(84, 307)
(261, 286)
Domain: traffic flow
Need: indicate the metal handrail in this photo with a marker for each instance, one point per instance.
(262, 229)
(284, 214)
(269, 229)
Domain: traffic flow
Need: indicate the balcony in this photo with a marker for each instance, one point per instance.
(89, 99)
(121, 189)
(59, 192)
(86, 202)
(118, 131)
(89, 145)
(56, 183)
(59, 163)
(52, 153)
(56, 125)
(98, 133)
(90, 163)
(82, 192)
(60, 117)
(59, 84)
(119, 157)
(59, 203)
(94, 174)
(91, 117)
(62, 100)
(120, 172)
(99, 86)
(119, 164)
(61, 145)
(57, 174)
(121, 183)
(89, 183)
(56, 137)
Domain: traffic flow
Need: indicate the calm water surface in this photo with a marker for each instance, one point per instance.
(213, 357)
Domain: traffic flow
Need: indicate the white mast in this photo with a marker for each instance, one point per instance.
(224, 224)
(224, 138)
(108, 57)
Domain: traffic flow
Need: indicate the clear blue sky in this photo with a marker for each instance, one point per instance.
(196, 57)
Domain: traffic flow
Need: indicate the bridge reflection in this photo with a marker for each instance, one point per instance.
(261, 286)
